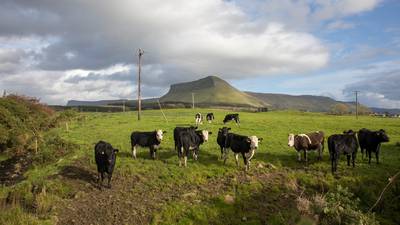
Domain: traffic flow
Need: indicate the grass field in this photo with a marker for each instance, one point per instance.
(276, 190)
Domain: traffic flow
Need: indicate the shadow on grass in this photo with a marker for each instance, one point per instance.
(78, 173)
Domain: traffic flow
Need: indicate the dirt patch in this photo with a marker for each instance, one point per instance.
(134, 200)
(12, 169)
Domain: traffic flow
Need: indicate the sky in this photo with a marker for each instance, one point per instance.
(87, 50)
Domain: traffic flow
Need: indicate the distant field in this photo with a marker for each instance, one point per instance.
(208, 192)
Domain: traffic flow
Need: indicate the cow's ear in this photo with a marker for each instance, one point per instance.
(164, 132)
(248, 140)
(209, 132)
(260, 139)
(220, 129)
(195, 127)
(116, 150)
(229, 128)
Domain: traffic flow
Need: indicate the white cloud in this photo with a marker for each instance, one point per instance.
(340, 25)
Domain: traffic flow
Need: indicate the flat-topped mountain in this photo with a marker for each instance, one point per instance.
(213, 91)
(210, 90)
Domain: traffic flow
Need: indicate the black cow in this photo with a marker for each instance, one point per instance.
(210, 117)
(239, 144)
(346, 144)
(371, 142)
(178, 131)
(150, 139)
(222, 139)
(105, 156)
(230, 117)
(191, 140)
(198, 119)
(307, 142)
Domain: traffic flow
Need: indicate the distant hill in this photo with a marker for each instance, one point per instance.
(383, 110)
(301, 102)
(211, 91)
(94, 103)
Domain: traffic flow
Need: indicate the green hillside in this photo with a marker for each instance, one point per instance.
(210, 90)
(301, 102)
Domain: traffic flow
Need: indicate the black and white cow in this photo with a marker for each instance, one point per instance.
(230, 117)
(307, 142)
(105, 157)
(346, 144)
(198, 119)
(191, 140)
(370, 141)
(210, 117)
(239, 144)
(151, 139)
(222, 139)
(178, 131)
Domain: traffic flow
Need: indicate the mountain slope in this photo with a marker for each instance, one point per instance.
(301, 102)
(210, 90)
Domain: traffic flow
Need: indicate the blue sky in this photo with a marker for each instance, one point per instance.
(83, 50)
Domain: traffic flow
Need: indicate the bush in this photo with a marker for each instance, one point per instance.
(52, 148)
(340, 207)
(22, 118)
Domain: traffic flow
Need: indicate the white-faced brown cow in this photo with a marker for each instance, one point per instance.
(307, 142)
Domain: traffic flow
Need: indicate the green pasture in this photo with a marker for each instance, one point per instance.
(259, 193)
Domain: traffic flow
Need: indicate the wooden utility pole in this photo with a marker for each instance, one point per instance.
(192, 100)
(139, 101)
(356, 92)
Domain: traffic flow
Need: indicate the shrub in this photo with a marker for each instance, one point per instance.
(52, 148)
(340, 207)
(22, 118)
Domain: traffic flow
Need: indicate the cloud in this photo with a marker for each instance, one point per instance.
(378, 85)
(340, 25)
(306, 14)
(87, 49)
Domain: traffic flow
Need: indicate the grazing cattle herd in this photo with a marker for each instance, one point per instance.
(188, 139)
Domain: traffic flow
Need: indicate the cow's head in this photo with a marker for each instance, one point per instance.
(253, 140)
(110, 153)
(205, 134)
(291, 140)
(349, 132)
(382, 136)
(159, 135)
(224, 131)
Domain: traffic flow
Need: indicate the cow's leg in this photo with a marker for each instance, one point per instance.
(186, 155)
(195, 151)
(101, 178)
(320, 148)
(225, 155)
(237, 159)
(222, 152)
(369, 156)
(152, 152)
(362, 153)
(180, 155)
(299, 156)
(353, 158)
(348, 159)
(305, 155)
(377, 157)
(109, 180)
(246, 161)
(134, 151)
(333, 165)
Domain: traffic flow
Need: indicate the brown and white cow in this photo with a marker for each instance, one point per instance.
(307, 142)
